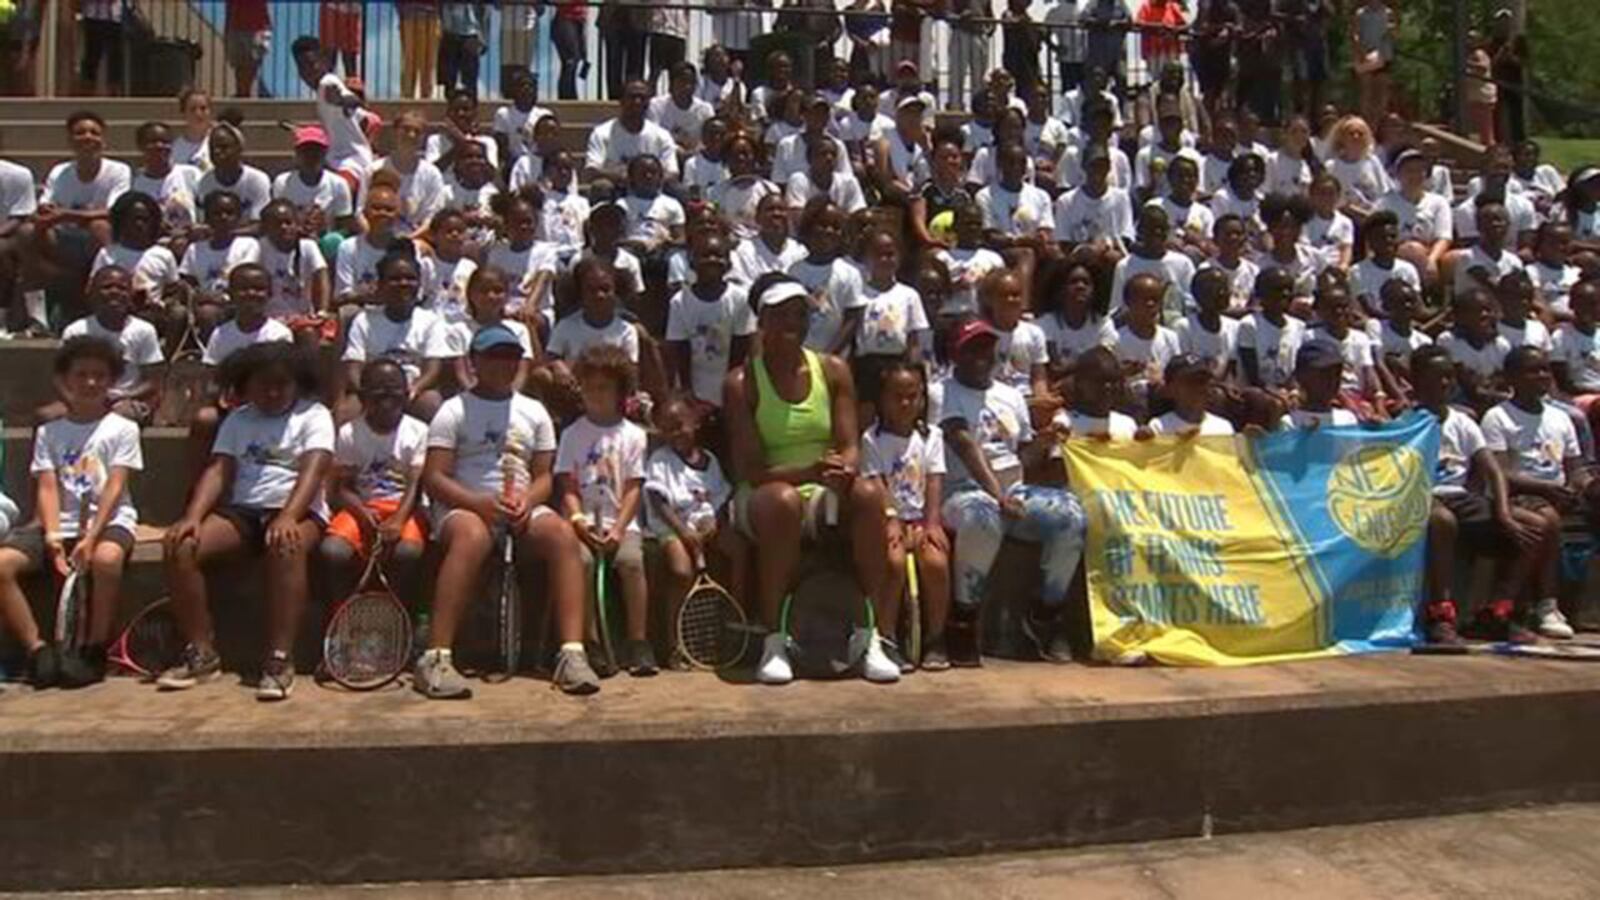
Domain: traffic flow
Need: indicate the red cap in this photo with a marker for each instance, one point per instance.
(970, 331)
(310, 134)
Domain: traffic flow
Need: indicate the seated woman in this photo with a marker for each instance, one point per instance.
(791, 417)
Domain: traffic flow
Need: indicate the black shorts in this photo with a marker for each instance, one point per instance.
(29, 541)
(251, 524)
(1476, 524)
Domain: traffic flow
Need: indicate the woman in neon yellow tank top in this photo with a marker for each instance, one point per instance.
(791, 417)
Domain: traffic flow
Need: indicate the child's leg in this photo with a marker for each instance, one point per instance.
(467, 542)
(1547, 574)
(635, 592)
(1054, 518)
(340, 554)
(1442, 535)
(218, 537)
(106, 566)
(552, 540)
(676, 575)
(1522, 576)
(202, 433)
(975, 518)
(289, 586)
(14, 612)
(933, 584)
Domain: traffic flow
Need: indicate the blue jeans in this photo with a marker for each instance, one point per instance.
(1051, 517)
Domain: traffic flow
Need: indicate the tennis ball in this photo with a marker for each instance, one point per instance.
(943, 226)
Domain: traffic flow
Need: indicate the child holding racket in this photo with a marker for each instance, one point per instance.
(900, 451)
(688, 499)
(81, 465)
(377, 468)
(478, 439)
(600, 471)
(261, 495)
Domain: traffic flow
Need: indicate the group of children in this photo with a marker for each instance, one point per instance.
(506, 347)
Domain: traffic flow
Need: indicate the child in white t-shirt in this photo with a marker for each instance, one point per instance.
(1575, 360)
(136, 392)
(709, 324)
(1319, 373)
(1478, 349)
(908, 459)
(206, 264)
(135, 229)
(249, 286)
(486, 301)
(529, 263)
(400, 330)
(1023, 351)
(894, 323)
(597, 321)
(600, 474)
(1150, 255)
(1361, 390)
(299, 276)
(686, 505)
(968, 262)
(1552, 275)
(1207, 333)
(445, 294)
(1270, 338)
(376, 483)
(1144, 345)
(1075, 326)
(1395, 337)
(488, 476)
(261, 493)
(835, 285)
(1190, 381)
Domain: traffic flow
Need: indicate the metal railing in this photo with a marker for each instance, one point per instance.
(393, 46)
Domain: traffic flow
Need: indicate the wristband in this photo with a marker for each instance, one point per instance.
(578, 518)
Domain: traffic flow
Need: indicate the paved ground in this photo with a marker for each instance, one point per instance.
(125, 715)
(1548, 852)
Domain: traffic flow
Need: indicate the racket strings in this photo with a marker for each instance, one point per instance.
(369, 639)
(703, 627)
(152, 642)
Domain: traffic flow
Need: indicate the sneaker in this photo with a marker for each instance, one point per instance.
(897, 656)
(573, 674)
(1442, 633)
(962, 638)
(82, 667)
(1551, 623)
(677, 662)
(44, 667)
(198, 666)
(935, 658)
(1493, 622)
(277, 680)
(436, 678)
(1059, 650)
(774, 667)
(876, 666)
(1047, 639)
(598, 661)
(643, 657)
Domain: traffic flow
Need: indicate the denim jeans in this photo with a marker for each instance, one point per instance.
(1051, 517)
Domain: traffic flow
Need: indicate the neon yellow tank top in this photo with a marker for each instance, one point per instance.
(794, 434)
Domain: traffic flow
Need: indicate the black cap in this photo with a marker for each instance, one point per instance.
(1318, 354)
(1094, 153)
(1187, 365)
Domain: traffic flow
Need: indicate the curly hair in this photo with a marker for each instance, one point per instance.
(607, 361)
(86, 346)
(244, 364)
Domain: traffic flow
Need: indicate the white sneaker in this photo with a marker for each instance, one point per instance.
(1552, 624)
(876, 666)
(775, 668)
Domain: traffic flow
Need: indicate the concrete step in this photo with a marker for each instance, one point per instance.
(116, 786)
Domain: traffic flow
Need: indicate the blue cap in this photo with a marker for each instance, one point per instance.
(1318, 353)
(494, 336)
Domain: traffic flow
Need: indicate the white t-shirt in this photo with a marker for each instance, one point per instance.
(1554, 284)
(601, 460)
(1460, 439)
(904, 464)
(356, 265)
(267, 452)
(753, 258)
(1305, 418)
(1069, 172)
(709, 327)
(890, 319)
(703, 173)
(1428, 220)
(1356, 349)
(564, 216)
(140, 346)
(1524, 219)
(1287, 174)
(293, 273)
(1275, 347)
(178, 192)
(611, 145)
(1304, 268)
(1485, 360)
(523, 268)
(1477, 258)
(693, 494)
(447, 290)
(437, 145)
(384, 465)
(844, 192)
(968, 266)
(458, 336)
(63, 187)
(1017, 352)
(1066, 343)
(736, 200)
(1081, 218)
(1174, 269)
(1364, 181)
(331, 193)
(152, 269)
(420, 336)
(1196, 220)
(835, 288)
(1016, 213)
(1581, 354)
(227, 339)
(1153, 153)
(1210, 425)
(1241, 282)
(1153, 353)
(348, 145)
(1218, 347)
(517, 126)
(18, 200)
(789, 158)
(1118, 426)
(492, 438)
(82, 455)
(1539, 443)
(209, 266)
(253, 188)
(1368, 278)
(1330, 237)
(625, 266)
(1390, 343)
(1528, 333)
(573, 335)
(651, 219)
(996, 418)
(196, 154)
(422, 194)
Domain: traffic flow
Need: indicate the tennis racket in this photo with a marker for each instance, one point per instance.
(150, 644)
(913, 612)
(508, 613)
(71, 617)
(712, 633)
(603, 613)
(183, 390)
(368, 640)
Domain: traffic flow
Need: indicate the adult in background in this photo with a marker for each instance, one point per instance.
(1211, 53)
(1107, 22)
(519, 29)
(1372, 34)
(247, 38)
(1260, 60)
(733, 29)
(102, 44)
(669, 40)
(624, 31)
(791, 416)
(419, 47)
(1159, 24)
(819, 21)
(1063, 34)
(572, 46)
(339, 28)
(1308, 22)
(1509, 49)
(460, 45)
